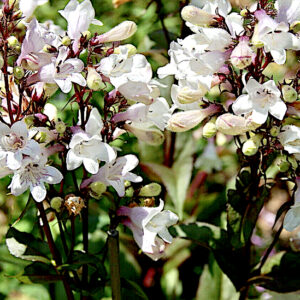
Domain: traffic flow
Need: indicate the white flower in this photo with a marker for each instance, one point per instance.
(87, 148)
(62, 71)
(275, 36)
(292, 217)
(14, 143)
(121, 68)
(115, 173)
(290, 139)
(28, 6)
(155, 114)
(261, 100)
(149, 226)
(33, 174)
(288, 11)
(79, 17)
(233, 21)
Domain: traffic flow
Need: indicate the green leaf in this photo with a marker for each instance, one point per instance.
(131, 290)
(215, 285)
(177, 179)
(25, 246)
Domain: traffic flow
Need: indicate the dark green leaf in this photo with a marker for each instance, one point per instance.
(131, 290)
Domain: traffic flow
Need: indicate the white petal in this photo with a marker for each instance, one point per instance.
(278, 110)
(52, 176)
(73, 161)
(95, 124)
(14, 160)
(242, 105)
(105, 152)
(78, 78)
(20, 129)
(279, 56)
(17, 186)
(118, 185)
(91, 165)
(64, 84)
(38, 192)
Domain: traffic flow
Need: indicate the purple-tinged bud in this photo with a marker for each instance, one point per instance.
(119, 33)
(242, 55)
(186, 120)
(197, 16)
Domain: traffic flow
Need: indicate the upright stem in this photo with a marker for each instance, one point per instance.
(85, 232)
(114, 263)
(53, 249)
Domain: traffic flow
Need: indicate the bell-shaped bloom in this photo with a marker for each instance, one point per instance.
(14, 143)
(32, 56)
(261, 100)
(87, 148)
(292, 217)
(186, 120)
(155, 114)
(288, 11)
(119, 33)
(28, 6)
(149, 226)
(235, 125)
(62, 71)
(79, 17)
(33, 175)
(233, 20)
(197, 16)
(121, 68)
(290, 139)
(275, 37)
(242, 55)
(115, 173)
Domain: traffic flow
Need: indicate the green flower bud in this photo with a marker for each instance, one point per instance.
(87, 34)
(94, 80)
(97, 189)
(274, 131)
(244, 12)
(250, 147)
(29, 120)
(127, 183)
(56, 203)
(150, 190)
(131, 50)
(47, 48)
(60, 127)
(41, 137)
(289, 94)
(66, 41)
(283, 165)
(12, 42)
(295, 26)
(19, 72)
(209, 130)
(129, 192)
(293, 161)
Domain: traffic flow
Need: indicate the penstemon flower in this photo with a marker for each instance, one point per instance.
(149, 226)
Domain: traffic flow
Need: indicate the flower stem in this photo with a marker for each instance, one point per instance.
(114, 263)
(85, 232)
(53, 249)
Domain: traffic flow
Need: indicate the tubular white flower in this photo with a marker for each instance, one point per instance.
(261, 100)
(290, 139)
(119, 33)
(149, 226)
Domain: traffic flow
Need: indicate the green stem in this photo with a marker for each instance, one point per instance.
(85, 232)
(114, 263)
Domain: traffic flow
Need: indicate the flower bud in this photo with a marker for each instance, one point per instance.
(129, 192)
(234, 125)
(56, 203)
(127, 183)
(66, 41)
(151, 136)
(250, 147)
(186, 95)
(29, 120)
(12, 42)
(197, 16)
(209, 130)
(274, 131)
(295, 26)
(94, 80)
(283, 165)
(241, 56)
(47, 48)
(60, 127)
(119, 33)
(150, 190)
(244, 12)
(97, 189)
(186, 120)
(147, 202)
(1, 61)
(19, 72)
(255, 38)
(131, 50)
(289, 94)
(41, 137)
(87, 35)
